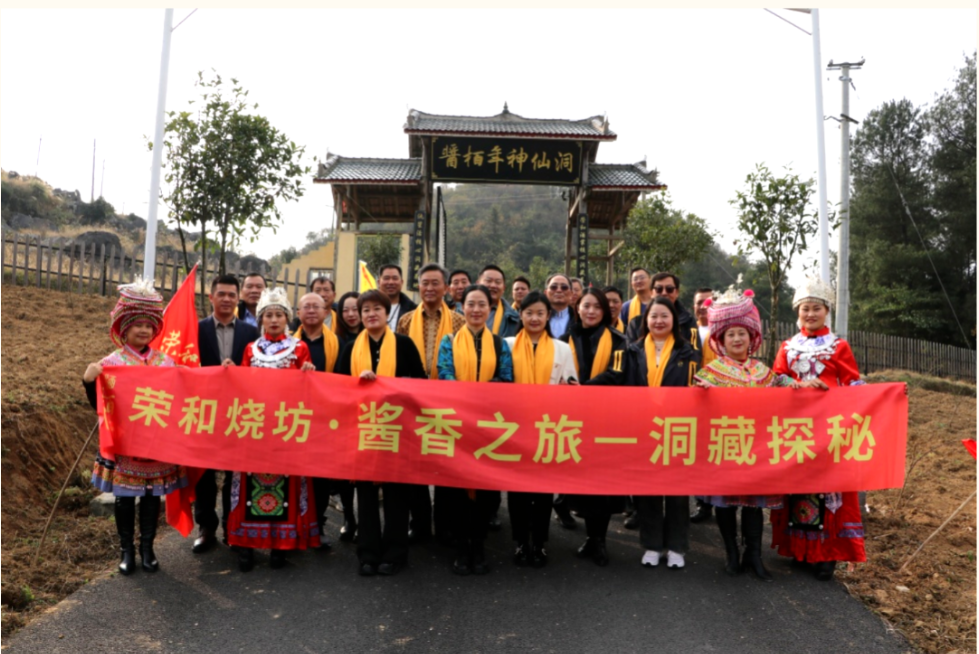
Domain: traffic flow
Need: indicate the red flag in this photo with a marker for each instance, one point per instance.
(971, 446)
(178, 339)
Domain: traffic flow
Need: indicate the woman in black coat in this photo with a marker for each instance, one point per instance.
(367, 356)
(662, 358)
(599, 353)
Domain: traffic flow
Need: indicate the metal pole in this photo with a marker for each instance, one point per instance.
(843, 260)
(821, 149)
(149, 255)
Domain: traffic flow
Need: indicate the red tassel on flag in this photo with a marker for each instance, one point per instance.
(178, 339)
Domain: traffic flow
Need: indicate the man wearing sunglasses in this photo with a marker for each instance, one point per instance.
(667, 284)
(557, 288)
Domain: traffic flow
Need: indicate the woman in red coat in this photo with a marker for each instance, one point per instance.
(818, 528)
(273, 511)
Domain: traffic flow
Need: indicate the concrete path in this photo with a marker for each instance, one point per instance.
(201, 603)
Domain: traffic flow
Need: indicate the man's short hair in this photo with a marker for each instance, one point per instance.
(229, 280)
(388, 266)
(255, 274)
(429, 267)
(580, 282)
(523, 279)
(552, 276)
(637, 269)
(703, 289)
(660, 276)
(492, 266)
(460, 271)
(322, 279)
(612, 289)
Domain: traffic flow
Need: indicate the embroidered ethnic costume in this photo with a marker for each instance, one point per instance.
(270, 511)
(819, 527)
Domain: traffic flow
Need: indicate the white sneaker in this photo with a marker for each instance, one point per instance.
(674, 560)
(650, 559)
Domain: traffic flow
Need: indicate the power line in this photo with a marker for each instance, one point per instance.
(928, 254)
(788, 21)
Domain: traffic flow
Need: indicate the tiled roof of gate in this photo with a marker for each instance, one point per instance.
(338, 169)
(594, 128)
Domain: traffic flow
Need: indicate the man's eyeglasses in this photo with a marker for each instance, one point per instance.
(559, 287)
(664, 289)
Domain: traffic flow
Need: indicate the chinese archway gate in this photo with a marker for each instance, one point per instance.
(502, 149)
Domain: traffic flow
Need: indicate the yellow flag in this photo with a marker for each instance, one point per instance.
(366, 279)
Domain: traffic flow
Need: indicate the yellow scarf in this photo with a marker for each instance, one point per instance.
(416, 330)
(654, 374)
(331, 346)
(360, 357)
(333, 321)
(635, 308)
(530, 366)
(516, 306)
(498, 318)
(464, 356)
(619, 325)
(602, 355)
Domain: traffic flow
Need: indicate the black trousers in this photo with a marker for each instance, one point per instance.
(469, 518)
(658, 531)
(530, 516)
(321, 493)
(442, 512)
(205, 514)
(421, 510)
(375, 546)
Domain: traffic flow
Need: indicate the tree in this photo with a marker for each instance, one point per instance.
(660, 237)
(775, 220)
(379, 250)
(226, 169)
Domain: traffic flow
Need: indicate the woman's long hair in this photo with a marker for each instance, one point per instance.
(666, 302)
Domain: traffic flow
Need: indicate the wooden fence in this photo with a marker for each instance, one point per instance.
(875, 352)
(87, 269)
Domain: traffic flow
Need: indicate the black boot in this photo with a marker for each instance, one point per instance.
(824, 570)
(702, 514)
(751, 527)
(479, 565)
(149, 516)
(601, 553)
(246, 558)
(727, 522)
(587, 549)
(125, 512)
(462, 564)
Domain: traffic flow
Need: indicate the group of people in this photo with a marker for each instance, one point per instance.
(464, 329)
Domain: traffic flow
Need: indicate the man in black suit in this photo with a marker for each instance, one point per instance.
(222, 339)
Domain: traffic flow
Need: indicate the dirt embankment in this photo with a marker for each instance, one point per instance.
(49, 338)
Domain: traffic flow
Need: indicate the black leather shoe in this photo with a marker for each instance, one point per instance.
(460, 565)
(538, 558)
(277, 559)
(389, 569)
(348, 531)
(246, 559)
(494, 523)
(702, 514)
(521, 556)
(127, 564)
(479, 566)
(587, 548)
(632, 522)
(601, 554)
(367, 570)
(564, 516)
(825, 570)
(415, 536)
(205, 542)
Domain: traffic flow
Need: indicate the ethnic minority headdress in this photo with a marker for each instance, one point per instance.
(273, 297)
(137, 301)
(815, 289)
(732, 308)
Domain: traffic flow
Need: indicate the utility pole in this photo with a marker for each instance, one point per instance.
(93, 172)
(149, 256)
(843, 259)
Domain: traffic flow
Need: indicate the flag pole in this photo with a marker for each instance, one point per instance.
(149, 253)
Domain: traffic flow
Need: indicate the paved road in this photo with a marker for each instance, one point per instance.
(319, 604)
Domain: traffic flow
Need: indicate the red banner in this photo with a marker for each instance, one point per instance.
(562, 439)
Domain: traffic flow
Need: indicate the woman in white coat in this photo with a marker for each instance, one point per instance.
(538, 358)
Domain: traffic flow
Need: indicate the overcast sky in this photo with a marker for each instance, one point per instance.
(702, 95)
